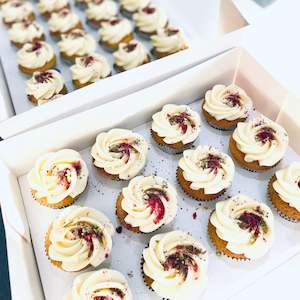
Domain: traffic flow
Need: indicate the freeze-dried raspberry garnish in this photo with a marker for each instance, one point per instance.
(43, 76)
(115, 22)
(233, 100)
(124, 149)
(149, 10)
(265, 134)
(252, 222)
(181, 119)
(35, 47)
(171, 31)
(130, 47)
(88, 60)
(212, 162)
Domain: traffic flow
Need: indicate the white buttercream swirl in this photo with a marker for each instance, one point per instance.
(90, 68)
(149, 202)
(16, 11)
(35, 55)
(103, 10)
(177, 264)
(80, 237)
(261, 140)
(287, 185)
(246, 225)
(134, 5)
(120, 152)
(63, 21)
(57, 175)
(77, 43)
(25, 32)
(207, 168)
(227, 102)
(150, 18)
(176, 123)
(131, 55)
(44, 101)
(102, 284)
(49, 6)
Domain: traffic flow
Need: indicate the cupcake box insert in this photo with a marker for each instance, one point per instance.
(134, 111)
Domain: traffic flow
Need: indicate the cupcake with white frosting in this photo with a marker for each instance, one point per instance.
(45, 85)
(104, 284)
(120, 153)
(175, 266)
(17, 11)
(149, 20)
(36, 57)
(128, 7)
(167, 41)
(100, 11)
(146, 204)
(284, 191)
(205, 172)
(47, 7)
(130, 55)
(114, 32)
(78, 238)
(175, 127)
(242, 228)
(89, 69)
(26, 32)
(63, 21)
(58, 178)
(76, 43)
(225, 106)
(259, 144)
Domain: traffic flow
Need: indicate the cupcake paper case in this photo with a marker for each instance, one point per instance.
(79, 237)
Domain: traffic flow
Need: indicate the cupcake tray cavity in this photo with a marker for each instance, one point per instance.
(226, 276)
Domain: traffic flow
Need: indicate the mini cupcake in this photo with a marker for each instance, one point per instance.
(36, 57)
(242, 228)
(175, 266)
(17, 11)
(104, 284)
(225, 106)
(76, 43)
(149, 20)
(205, 173)
(114, 32)
(63, 22)
(175, 127)
(129, 7)
(130, 56)
(284, 192)
(89, 69)
(100, 11)
(45, 85)
(146, 204)
(47, 7)
(26, 32)
(58, 178)
(120, 153)
(259, 144)
(78, 238)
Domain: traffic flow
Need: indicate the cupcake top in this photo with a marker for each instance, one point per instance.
(44, 85)
(177, 264)
(35, 55)
(49, 6)
(77, 43)
(114, 30)
(120, 152)
(104, 284)
(80, 236)
(99, 10)
(25, 32)
(149, 202)
(261, 140)
(150, 18)
(16, 11)
(131, 55)
(133, 5)
(246, 225)
(227, 102)
(57, 175)
(63, 20)
(90, 68)
(168, 40)
(287, 185)
(176, 124)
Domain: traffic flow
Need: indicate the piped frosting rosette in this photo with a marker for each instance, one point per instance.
(176, 265)
(58, 175)
(133, 5)
(245, 225)
(149, 202)
(49, 6)
(120, 152)
(104, 284)
(101, 10)
(16, 11)
(78, 238)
